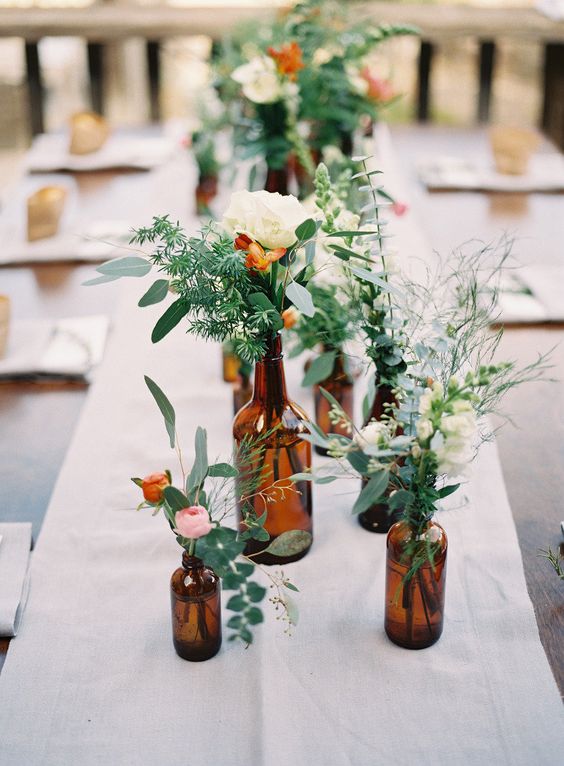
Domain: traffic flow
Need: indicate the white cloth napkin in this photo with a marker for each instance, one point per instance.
(76, 239)
(15, 545)
(545, 174)
(63, 348)
(534, 294)
(49, 152)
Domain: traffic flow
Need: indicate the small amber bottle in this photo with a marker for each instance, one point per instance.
(414, 611)
(341, 386)
(195, 597)
(379, 518)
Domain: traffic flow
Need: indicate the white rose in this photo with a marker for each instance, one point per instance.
(373, 435)
(322, 56)
(424, 429)
(271, 219)
(259, 80)
(347, 221)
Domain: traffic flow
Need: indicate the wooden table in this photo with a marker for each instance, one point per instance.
(36, 422)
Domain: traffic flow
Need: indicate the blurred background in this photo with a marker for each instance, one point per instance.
(488, 60)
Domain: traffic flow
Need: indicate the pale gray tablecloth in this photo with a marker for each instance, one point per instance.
(93, 678)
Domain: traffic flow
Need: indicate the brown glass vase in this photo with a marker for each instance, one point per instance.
(195, 598)
(274, 423)
(414, 610)
(276, 180)
(379, 518)
(206, 191)
(340, 385)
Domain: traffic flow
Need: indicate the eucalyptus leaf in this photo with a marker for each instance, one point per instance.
(100, 280)
(224, 470)
(200, 468)
(320, 368)
(301, 298)
(306, 230)
(172, 316)
(290, 543)
(295, 477)
(166, 408)
(129, 266)
(175, 499)
(400, 499)
(368, 276)
(371, 492)
(155, 294)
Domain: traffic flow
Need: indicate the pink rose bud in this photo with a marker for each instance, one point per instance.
(400, 208)
(192, 522)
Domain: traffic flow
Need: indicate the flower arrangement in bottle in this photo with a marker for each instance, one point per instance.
(413, 458)
(196, 513)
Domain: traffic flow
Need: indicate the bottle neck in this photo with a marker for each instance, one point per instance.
(190, 563)
(270, 381)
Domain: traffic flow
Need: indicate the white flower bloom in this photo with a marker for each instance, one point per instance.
(430, 395)
(462, 426)
(271, 219)
(358, 83)
(454, 457)
(259, 80)
(424, 429)
(416, 451)
(347, 221)
(462, 405)
(375, 434)
(322, 56)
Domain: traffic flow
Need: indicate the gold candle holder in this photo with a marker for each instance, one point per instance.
(44, 211)
(512, 149)
(88, 133)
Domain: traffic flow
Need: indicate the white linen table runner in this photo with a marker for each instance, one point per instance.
(92, 677)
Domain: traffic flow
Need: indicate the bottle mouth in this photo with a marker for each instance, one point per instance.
(191, 562)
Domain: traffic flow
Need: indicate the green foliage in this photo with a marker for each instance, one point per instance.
(555, 559)
(166, 408)
(155, 294)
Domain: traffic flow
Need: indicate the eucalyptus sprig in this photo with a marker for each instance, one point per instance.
(212, 491)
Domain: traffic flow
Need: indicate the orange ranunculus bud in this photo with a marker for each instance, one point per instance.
(242, 242)
(288, 59)
(153, 486)
(290, 317)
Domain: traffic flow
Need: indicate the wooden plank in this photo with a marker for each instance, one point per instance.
(95, 53)
(486, 71)
(553, 101)
(34, 87)
(107, 22)
(423, 80)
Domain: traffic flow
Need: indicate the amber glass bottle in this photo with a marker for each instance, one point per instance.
(340, 385)
(195, 597)
(378, 518)
(275, 423)
(415, 609)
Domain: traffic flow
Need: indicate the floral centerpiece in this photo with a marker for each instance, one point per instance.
(429, 438)
(197, 512)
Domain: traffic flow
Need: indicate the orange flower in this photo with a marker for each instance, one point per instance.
(290, 317)
(288, 59)
(379, 90)
(257, 258)
(153, 486)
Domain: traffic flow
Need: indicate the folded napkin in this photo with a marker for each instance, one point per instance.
(50, 152)
(59, 349)
(545, 174)
(532, 295)
(76, 240)
(15, 545)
